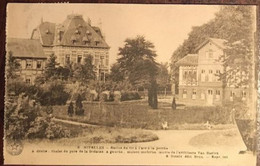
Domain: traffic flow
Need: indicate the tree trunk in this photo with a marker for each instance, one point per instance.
(152, 95)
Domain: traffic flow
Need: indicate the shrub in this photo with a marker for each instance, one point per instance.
(79, 107)
(23, 120)
(70, 109)
(54, 94)
(130, 96)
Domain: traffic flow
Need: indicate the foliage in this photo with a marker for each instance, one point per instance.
(84, 72)
(79, 107)
(130, 96)
(163, 78)
(50, 69)
(137, 64)
(54, 94)
(23, 120)
(11, 66)
(71, 109)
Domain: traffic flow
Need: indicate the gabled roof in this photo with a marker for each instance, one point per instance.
(27, 48)
(218, 42)
(74, 31)
(188, 60)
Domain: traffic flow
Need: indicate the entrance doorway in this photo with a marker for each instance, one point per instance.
(210, 97)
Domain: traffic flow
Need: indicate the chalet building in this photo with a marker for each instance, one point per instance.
(30, 55)
(72, 41)
(199, 81)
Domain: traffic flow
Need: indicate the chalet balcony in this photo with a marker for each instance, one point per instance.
(189, 83)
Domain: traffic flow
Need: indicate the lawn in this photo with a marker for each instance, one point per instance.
(137, 114)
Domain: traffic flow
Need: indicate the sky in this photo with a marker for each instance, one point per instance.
(167, 26)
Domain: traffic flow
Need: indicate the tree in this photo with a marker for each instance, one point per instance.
(11, 66)
(116, 74)
(79, 107)
(51, 69)
(163, 77)
(70, 109)
(137, 63)
(86, 71)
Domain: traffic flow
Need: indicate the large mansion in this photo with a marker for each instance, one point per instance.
(199, 81)
(70, 41)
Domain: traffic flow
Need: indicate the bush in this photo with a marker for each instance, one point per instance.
(23, 120)
(130, 96)
(79, 107)
(70, 109)
(54, 94)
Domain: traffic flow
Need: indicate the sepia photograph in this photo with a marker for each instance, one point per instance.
(131, 84)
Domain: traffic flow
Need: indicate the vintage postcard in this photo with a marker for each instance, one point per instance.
(114, 84)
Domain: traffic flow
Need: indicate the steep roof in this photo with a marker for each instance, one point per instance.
(25, 48)
(47, 32)
(218, 42)
(74, 31)
(188, 60)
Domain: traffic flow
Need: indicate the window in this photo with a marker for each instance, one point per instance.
(210, 92)
(96, 61)
(184, 94)
(39, 65)
(79, 58)
(67, 59)
(202, 75)
(107, 62)
(194, 93)
(209, 54)
(29, 64)
(210, 75)
(232, 94)
(243, 95)
(218, 75)
(102, 60)
(218, 94)
(28, 80)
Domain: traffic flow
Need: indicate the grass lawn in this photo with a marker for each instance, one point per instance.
(138, 114)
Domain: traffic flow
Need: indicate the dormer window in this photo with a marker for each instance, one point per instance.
(97, 41)
(77, 31)
(88, 32)
(47, 31)
(85, 40)
(73, 39)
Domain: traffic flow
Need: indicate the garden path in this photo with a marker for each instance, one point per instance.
(74, 123)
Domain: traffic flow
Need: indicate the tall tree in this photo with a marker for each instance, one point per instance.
(137, 63)
(51, 67)
(11, 66)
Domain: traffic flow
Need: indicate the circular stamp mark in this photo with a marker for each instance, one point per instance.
(14, 147)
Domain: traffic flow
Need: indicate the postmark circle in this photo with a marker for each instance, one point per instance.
(14, 147)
